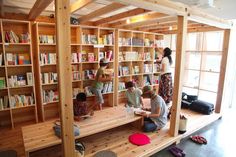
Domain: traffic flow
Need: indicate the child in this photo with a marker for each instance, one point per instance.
(133, 95)
(158, 117)
(98, 83)
(81, 108)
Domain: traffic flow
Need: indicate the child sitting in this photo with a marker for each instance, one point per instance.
(133, 95)
(81, 108)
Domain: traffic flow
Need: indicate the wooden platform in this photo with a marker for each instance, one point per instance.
(39, 136)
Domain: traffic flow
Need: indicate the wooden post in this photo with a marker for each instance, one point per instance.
(222, 70)
(116, 64)
(65, 77)
(179, 69)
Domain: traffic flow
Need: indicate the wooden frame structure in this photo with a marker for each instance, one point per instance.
(163, 11)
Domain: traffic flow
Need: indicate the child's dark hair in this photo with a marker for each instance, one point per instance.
(167, 53)
(129, 84)
(103, 62)
(81, 97)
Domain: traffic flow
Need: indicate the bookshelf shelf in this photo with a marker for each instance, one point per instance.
(21, 107)
(76, 80)
(17, 87)
(17, 44)
(76, 63)
(5, 109)
(3, 66)
(47, 44)
(49, 84)
(89, 62)
(52, 102)
(17, 66)
(48, 65)
(3, 88)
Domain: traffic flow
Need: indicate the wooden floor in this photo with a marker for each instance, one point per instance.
(115, 139)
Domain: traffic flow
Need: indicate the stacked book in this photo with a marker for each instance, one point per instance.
(48, 58)
(123, 70)
(147, 68)
(89, 39)
(17, 59)
(47, 39)
(4, 102)
(107, 87)
(108, 55)
(89, 74)
(50, 96)
(21, 80)
(21, 100)
(137, 42)
(2, 82)
(106, 39)
(49, 78)
(124, 41)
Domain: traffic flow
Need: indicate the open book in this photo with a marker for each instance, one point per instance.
(139, 111)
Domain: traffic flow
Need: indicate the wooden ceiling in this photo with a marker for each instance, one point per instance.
(105, 13)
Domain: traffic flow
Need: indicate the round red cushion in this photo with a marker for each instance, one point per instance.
(139, 139)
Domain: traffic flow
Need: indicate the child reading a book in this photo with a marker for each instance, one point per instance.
(81, 108)
(133, 95)
(100, 78)
(158, 117)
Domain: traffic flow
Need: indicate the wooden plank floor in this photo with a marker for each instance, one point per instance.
(115, 140)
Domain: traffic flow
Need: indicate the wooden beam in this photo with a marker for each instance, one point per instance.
(65, 77)
(107, 9)
(79, 4)
(1, 8)
(38, 8)
(173, 8)
(222, 71)
(121, 16)
(179, 70)
(156, 26)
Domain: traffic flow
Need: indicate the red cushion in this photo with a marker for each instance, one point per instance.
(139, 139)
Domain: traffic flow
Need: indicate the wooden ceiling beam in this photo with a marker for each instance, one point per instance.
(1, 8)
(107, 9)
(38, 8)
(137, 20)
(78, 5)
(121, 16)
(173, 8)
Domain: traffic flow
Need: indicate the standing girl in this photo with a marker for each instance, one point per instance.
(166, 89)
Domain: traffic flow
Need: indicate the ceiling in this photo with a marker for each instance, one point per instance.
(220, 8)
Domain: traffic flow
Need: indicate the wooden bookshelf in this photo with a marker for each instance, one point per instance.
(46, 70)
(138, 53)
(88, 44)
(19, 90)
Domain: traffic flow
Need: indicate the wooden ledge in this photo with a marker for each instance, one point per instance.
(41, 135)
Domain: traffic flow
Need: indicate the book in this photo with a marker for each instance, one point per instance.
(1, 59)
(91, 57)
(2, 82)
(29, 76)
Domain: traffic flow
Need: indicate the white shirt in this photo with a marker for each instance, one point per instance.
(165, 61)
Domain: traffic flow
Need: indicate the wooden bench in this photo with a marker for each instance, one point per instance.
(41, 135)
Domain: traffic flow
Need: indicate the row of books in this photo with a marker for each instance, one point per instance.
(4, 102)
(48, 58)
(49, 78)
(50, 96)
(1, 59)
(82, 57)
(21, 80)
(108, 55)
(137, 42)
(106, 39)
(147, 56)
(89, 39)
(21, 100)
(17, 58)
(124, 70)
(121, 85)
(76, 75)
(89, 74)
(2, 82)
(12, 37)
(107, 87)
(124, 41)
(136, 69)
(147, 68)
(129, 56)
(148, 42)
(47, 39)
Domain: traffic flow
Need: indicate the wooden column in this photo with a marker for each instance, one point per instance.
(179, 69)
(222, 70)
(65, 74)
(116, 65)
